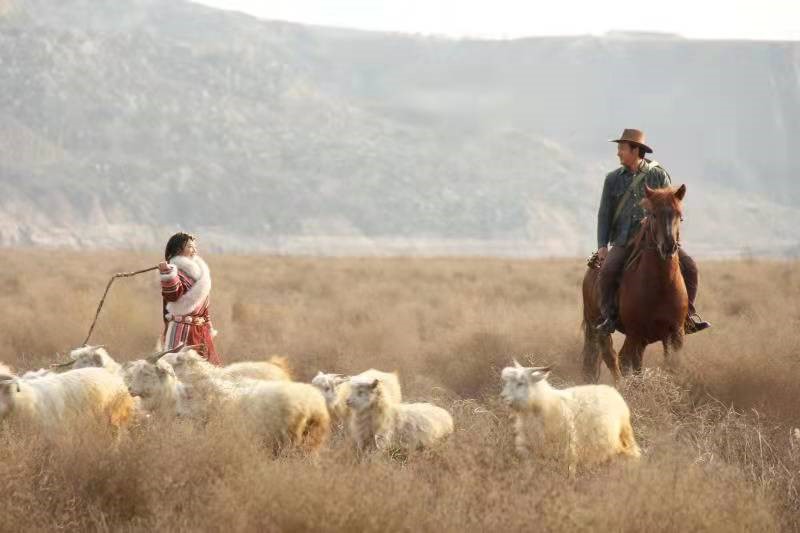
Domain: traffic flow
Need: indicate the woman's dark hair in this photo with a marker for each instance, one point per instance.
(175, 244)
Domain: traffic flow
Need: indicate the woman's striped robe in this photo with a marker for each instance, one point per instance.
(185, 289)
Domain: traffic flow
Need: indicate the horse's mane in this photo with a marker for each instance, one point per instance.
(639, 240)
(662, 197)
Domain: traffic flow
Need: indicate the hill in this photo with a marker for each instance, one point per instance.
(121, 121)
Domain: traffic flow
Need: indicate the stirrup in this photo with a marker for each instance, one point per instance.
(607, 326)
(694, 323)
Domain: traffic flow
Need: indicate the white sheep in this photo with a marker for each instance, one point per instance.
(275, 369)
(141, 377)
(155, 386)
(378, 422)
(336, 389)
(587, 424)
(53, 401)
(144, 404)
(280, 412)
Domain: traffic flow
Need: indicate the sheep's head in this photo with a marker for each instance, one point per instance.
(327, 384)
(184, 362)
(364, 394)
(147, 381)
(520, 382)
(89, 361)
(86, 357)
(87, 350)
(92, 356)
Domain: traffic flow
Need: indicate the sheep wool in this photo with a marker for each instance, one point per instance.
(53, 402)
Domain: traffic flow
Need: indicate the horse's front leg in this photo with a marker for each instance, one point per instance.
(672, 348)
(631, 355)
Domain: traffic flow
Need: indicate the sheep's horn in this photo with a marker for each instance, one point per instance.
(64, 364)
(191, 347)
(154, 358)
(516, 363)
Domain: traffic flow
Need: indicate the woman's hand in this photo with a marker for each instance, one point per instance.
(163, 267)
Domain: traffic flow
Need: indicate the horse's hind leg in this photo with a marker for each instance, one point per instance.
(606, 345)
(591, 353)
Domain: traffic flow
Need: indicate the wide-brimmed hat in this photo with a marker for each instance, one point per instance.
(633, 136)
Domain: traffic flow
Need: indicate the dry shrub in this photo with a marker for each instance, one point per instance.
(716, 436)
(471, 368)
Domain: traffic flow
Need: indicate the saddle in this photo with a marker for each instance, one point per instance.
(636, 246)
(594, 262)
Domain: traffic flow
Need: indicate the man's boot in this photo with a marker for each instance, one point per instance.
(694, 323)
(607, 326)
(608, 321)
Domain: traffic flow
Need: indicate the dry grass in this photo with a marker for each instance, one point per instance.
(716, 437)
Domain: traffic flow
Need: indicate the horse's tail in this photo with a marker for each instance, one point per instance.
(590, 355)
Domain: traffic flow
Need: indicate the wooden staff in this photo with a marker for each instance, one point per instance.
(103, 300)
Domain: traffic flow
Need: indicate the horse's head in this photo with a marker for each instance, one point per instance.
(664, 214)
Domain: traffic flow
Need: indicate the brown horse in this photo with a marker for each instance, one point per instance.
(653, 303)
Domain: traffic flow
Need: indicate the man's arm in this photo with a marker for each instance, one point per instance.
(604, 215)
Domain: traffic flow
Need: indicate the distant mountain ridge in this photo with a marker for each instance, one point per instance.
(122, 120)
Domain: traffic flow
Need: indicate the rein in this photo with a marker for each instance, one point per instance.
(644, 241)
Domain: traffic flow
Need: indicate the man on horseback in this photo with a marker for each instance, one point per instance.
(618, 221)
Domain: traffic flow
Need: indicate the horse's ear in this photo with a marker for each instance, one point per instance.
(648, 192)
(681, 192)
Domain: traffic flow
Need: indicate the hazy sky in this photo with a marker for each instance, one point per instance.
(715, 19)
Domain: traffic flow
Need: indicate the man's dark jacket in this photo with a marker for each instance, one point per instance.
(618, 181)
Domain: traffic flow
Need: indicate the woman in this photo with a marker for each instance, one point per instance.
(185, 288)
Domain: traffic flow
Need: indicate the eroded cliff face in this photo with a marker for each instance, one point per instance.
(123, 120)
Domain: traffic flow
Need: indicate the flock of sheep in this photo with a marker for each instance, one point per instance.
(579, 425)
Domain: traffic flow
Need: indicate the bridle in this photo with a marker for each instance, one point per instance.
(651, 240)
